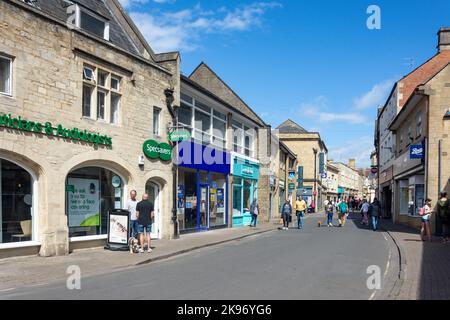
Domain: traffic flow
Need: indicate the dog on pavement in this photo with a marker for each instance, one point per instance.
(133, 244)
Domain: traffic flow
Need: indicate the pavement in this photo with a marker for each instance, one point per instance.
(424, 268)
(313, 263)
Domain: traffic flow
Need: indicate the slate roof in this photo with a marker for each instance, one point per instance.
(117, 34)
(289, 126)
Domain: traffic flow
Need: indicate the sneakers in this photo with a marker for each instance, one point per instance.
(330, 225)
(149, 250)
(141, 250)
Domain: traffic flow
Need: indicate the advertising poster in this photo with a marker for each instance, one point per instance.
(84, 202)
(220, 200)
(118, 229)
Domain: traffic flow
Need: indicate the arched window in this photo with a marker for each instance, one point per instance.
(90, 193)
(16, 203)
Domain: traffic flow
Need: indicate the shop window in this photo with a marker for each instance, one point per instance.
(5, 75)
(91, 192)
(156, 121)
(187, 199)
(16, 211)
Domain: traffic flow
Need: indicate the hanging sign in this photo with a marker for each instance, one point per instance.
(155, 150)
(179, 136)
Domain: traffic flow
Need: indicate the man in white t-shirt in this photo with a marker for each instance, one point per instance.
(131, 207)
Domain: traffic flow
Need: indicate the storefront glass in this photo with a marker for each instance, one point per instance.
(91, 192)
(16, 216)
(237, 196)
(217, 200)
(187, 199)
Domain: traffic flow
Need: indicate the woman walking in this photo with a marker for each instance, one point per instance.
(254, 211)
(286, 213)
(425, 213)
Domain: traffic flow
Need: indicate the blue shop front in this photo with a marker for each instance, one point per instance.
(202, 197)
(245, 189)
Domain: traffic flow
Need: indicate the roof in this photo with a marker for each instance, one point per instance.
(205, 76)
(289, 126)
(422, 74)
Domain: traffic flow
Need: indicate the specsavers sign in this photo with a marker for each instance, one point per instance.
(154, 150)
(84, 202)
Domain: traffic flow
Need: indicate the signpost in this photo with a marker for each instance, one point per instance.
(180, 136)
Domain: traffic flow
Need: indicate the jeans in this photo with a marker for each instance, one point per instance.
(300, 215)
(285, 221)
(330, 218)
(134, 226)
(375, 223)
(254, 219)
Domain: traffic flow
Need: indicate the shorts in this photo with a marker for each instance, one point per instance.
(148, 229)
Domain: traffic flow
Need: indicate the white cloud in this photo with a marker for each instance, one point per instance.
(182, 30)
(375, 97)
(318, 110)
(129, 3)
(359, 149)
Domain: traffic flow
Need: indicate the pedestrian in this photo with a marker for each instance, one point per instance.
(365, 212)
(375, 212)
(131, 207)
(426, 213)
(286, 213)
(300, 209)
(443, 212)
(145, 212)
(329, 208)
(342, 213)
(254, 211)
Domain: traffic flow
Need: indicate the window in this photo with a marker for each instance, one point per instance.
(101, 99)
(419, 125)
(87, 96)
(156, 121)
(185, 114)
(410, 136)
(92, 23)
(5, 75)
(101, 95)
(115, 107)
(243, 139)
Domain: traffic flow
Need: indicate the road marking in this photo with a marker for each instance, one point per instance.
(372, 296)
(6, 290)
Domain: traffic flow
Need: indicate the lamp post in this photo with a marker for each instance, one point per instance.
(174, 112)
(315, 180)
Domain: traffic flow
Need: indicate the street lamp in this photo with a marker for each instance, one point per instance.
(169, 93)
(315, 180)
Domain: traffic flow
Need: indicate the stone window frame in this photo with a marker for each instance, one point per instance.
(11, 64)
(109, 92)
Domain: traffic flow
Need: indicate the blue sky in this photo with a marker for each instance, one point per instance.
(315, 62)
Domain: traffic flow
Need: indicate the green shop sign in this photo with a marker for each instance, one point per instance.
(17, 123)
(154, 150)
(180, 135)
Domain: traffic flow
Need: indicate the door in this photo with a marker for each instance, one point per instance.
(204, 207)
(152, 189)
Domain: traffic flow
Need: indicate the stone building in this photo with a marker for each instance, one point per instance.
(312, 155)
(80, 93)
(332, 182)
(247, 141)
(422, 128)
(350, 181)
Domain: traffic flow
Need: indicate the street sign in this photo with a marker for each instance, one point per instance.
(324, 175)
(291, 186)
(179, 136)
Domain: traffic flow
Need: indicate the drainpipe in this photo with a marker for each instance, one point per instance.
(439, 167)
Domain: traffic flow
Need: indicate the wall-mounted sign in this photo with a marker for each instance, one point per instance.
(17, 123)
(291, 186)
(291, 175)
(416, 152)
(154, 150)
(180, 135)
(116, 181)
(321, 162)
(300, 177)
(324, 176)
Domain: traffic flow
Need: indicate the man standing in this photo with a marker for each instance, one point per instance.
(145, 214)
(131, 207)
(300, 209)
(443, 212)
(342, 213)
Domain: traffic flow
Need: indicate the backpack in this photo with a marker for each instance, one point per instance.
(344, 208)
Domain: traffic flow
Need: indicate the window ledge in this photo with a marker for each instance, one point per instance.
(88, 238)
(23, 244)
(6, 95)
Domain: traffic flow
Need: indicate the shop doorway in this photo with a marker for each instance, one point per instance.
(204, 207)
(153, 191)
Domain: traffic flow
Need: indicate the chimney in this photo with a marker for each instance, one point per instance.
(444, 39)
(352, 163)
